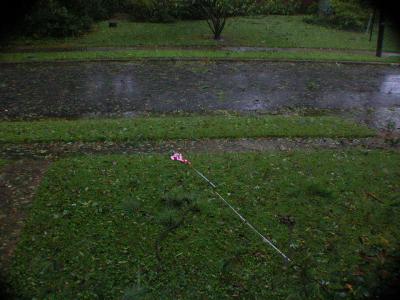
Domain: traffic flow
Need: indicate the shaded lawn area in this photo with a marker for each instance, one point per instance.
(3, 162)
(313, 55)
(104, 226)
(267, 31)
(170, 128)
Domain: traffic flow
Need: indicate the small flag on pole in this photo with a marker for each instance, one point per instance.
(179, 157)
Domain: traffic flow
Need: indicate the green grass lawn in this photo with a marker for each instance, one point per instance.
(194, 54)
(149, 228)
(267, 31)
(172, 128)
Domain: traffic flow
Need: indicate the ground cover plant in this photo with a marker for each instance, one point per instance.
(170, 128)
(263, 31)
(313, 55)
(144, 226)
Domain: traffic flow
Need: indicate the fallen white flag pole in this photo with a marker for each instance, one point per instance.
(179, 157)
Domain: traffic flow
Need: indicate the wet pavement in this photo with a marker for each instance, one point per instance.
(35, 90)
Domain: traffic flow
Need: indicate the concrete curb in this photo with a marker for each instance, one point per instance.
(170, 59)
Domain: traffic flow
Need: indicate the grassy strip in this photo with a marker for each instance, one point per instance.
(104, 226)
(170, 128)
(192, 54)
(268, 31)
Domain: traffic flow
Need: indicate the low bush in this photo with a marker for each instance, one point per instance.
(169, 10)
(60, 18)
(50, 18)
(346, 15)
(277, 7)
(153, 11)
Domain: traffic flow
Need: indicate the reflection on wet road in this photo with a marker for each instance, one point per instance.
(391, 84)
(81, 89)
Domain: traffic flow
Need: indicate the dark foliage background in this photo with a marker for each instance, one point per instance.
(344, 14)
(59, 18)
(12, 14)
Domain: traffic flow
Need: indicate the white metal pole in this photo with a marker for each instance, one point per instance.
(265, 240)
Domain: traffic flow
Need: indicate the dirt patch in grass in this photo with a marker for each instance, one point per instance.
(18, 183)
(54, 150)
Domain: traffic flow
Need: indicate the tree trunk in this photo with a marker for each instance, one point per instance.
(381, 33)
(216, 14)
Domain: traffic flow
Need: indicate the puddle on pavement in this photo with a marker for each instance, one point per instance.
(384, 118)
(391, 84)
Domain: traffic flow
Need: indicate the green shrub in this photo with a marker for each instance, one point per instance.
(346, 15)
(349, 14)
(60, 18)
(279, 7)
(50, 18)
(169, 10)
(309, 7)
(95, 9)
(152, 10)
(188, 10)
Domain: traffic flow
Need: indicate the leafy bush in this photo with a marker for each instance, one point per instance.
(279, 7)
(189, 10)
(152, 10)
(50, 18)
(169, 10)
(95, 9)
(346, 15)
(60, 18)
(139, 10)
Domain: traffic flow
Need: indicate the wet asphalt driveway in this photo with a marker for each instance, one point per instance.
(33, 91)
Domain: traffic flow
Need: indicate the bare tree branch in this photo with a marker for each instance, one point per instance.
(216, 12)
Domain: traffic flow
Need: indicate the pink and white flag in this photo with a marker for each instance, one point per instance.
(179, 157)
